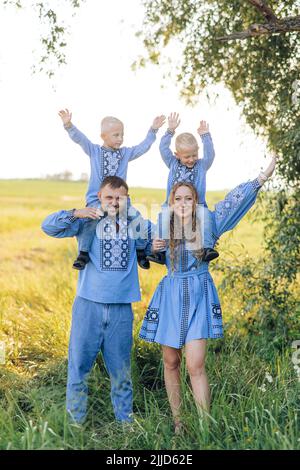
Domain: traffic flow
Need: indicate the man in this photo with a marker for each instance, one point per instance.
(102, 316)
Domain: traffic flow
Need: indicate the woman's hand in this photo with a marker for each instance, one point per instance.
(158, 244)
(90, 212)
(268, 172)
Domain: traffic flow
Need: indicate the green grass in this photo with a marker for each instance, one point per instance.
(37, 290)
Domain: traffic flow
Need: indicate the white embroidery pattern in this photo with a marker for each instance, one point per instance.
(182, 173)
(110, 162)
(114, 247)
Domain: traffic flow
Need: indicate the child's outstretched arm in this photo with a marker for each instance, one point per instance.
(138, 150)
(208, 146)
(164, 147)
(75, 134)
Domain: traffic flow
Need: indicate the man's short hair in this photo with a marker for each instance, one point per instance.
(114, 182)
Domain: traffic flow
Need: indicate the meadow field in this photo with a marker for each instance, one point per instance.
(254, 389)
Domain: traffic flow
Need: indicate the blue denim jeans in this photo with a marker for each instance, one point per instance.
(107, 328)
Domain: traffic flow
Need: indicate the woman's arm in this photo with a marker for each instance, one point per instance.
(238, 202)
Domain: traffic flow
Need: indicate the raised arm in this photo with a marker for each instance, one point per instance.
(75, 134)
(139, 150)
(239, 201)
(208, 146)
(164, 147)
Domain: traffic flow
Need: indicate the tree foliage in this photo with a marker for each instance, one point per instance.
(53, 39)
(263, 75)
(262, 72)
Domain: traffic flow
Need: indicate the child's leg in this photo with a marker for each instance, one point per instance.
(205, 217)
(133, 218)
(208, 241)
(163, 232)
(87, 234)
(85, 239)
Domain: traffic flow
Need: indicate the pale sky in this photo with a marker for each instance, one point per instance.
(98, 81)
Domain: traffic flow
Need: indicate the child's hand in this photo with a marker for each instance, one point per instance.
(173, 121)
(158, 244)
(158, 122)
(66, 117)
(203, 128)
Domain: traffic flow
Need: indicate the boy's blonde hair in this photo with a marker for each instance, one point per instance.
(185, 140)
(108, 121)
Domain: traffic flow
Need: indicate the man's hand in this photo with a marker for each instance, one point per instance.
(66, 117)
(158, 122)
(90, 212)
(203, 128)
(158, 244)
(173, 121)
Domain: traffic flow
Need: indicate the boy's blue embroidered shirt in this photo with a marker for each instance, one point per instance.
(106, 161)
(111, 276)
(179, 172)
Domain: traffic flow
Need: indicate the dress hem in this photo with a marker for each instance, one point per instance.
(175, 347)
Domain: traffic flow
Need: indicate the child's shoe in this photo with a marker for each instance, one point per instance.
(142, 259)
(81, 260)
(209, 254)
(159, 257)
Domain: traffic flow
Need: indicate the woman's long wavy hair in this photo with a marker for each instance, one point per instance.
(177, 238)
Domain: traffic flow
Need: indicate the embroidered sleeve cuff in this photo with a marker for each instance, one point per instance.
(204, 135)
(256, 184)
(70, 215)
(68, 128)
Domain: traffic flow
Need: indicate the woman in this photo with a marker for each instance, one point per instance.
(185, 308)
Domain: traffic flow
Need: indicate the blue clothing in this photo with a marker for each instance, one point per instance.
(106, 161)
(179, 172)
(111, 276)
(102, 315)
(107, 328)
(185, 305)
(87, 232)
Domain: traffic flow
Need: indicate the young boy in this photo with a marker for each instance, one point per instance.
(185, 165)
(108, 159)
